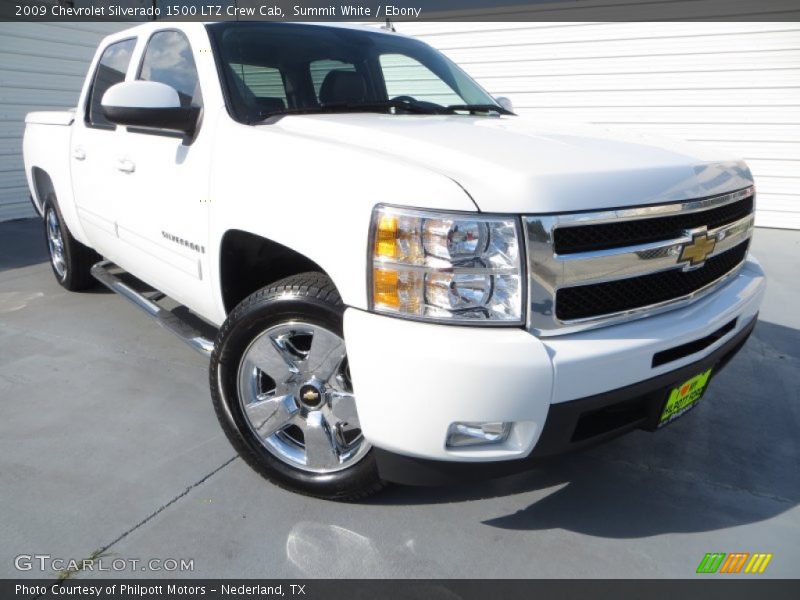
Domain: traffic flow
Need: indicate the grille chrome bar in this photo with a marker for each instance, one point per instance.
(549, 272)
(635, 294)
(657, 210)
(631, 261)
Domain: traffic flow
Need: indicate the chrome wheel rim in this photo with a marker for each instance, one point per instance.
(55, 243)
(295, 394)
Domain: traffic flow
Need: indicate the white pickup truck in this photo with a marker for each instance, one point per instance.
(404, 281)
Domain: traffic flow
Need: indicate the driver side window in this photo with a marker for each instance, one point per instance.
(405, 76)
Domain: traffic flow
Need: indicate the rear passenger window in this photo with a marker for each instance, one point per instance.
(168, 59)
(110, 70)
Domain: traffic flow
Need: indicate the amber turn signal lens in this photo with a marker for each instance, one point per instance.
(386, 237)
(386, 290)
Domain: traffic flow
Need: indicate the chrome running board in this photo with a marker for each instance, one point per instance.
(167, 319)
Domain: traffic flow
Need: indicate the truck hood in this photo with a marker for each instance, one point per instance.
(519, 165)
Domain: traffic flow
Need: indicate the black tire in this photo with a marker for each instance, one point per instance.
(310, 298)
(72, 271)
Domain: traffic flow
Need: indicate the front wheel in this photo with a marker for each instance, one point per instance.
(282, 391)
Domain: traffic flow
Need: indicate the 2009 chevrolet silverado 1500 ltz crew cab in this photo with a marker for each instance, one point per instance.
(410, 283)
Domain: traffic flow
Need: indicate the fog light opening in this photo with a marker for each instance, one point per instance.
(475, 434)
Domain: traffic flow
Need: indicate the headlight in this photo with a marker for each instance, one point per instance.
(446, 267)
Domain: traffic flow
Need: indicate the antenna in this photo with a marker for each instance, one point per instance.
(389, 26)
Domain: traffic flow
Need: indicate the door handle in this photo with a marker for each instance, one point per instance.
(126, 166)
(79, 153)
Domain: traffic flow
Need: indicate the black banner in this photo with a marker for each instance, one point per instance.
(708, 588)
(401, 10)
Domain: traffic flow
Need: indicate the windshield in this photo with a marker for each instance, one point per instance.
(279, 68)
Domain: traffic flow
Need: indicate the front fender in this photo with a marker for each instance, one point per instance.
(315, 197)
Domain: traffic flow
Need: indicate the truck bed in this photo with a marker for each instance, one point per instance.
(51, 117)
(46, 148)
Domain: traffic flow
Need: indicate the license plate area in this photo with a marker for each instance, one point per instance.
(684, 397)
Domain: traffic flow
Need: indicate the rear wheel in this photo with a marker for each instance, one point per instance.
(282, 391)
(71, 261)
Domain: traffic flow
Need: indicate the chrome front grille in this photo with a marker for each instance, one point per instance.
(593, 269)
(570, 240)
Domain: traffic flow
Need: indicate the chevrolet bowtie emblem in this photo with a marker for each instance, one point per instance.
(310, 396)
(696, 251)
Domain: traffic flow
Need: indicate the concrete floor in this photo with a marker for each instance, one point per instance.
(108, 441)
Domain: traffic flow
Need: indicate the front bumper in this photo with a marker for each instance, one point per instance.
(412, 380)
(570, 426)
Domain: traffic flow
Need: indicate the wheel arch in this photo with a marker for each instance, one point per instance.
(249, 262)
(43, 189)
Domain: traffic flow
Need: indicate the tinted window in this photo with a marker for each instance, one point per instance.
(110, 70)
(320, 68)
(168, 59)
(262, 82)
(323, 68)
(405, 76)
(263, 85)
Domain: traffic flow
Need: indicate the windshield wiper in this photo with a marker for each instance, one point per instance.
(351, 107)
(308, 110)
(476, 108)
(383, 105)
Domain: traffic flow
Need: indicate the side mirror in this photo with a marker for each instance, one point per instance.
(505, 103)
(149, 104)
